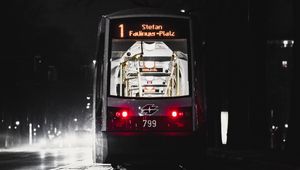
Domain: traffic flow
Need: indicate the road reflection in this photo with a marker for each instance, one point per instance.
(24, 158)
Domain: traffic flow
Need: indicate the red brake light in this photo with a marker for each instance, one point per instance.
(124, 113)
(180, 114)
(118, 114)
(174, 114)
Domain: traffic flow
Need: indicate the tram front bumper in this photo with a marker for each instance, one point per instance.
(162, 144)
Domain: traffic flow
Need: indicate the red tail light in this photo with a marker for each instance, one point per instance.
(118, 114)
(124, 113)
(175, 114)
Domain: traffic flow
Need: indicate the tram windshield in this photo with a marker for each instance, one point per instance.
(145, 68)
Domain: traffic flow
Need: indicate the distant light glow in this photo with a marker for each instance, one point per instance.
(34, 134)
(88, 104)
(87, 107)
(224, 126)
(286, 125)
(9, 127)
(273, 127)
(88, 98)
(30, 133)
(285, 43)
(182, 10)
(94, 61)
(34, 129)
(284, 64)
(15, 127)
(38, 126)
(75, 120)
(17, 123)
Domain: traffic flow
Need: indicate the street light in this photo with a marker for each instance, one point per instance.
(17, 123)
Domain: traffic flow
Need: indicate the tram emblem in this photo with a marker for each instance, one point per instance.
(148, 110)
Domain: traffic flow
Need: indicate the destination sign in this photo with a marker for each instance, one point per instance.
(149, 28)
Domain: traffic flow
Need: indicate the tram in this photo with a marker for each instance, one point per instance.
(148, 93)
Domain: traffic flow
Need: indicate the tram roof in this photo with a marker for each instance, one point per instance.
(147, 12)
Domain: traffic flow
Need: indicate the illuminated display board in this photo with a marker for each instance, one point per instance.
(149, 28)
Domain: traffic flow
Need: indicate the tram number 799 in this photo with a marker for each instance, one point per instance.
(149, 123)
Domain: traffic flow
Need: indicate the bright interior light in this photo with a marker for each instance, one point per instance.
(224, 126)
(149, 46)
(149, 64)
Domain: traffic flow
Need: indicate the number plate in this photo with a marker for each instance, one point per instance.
(149, 123)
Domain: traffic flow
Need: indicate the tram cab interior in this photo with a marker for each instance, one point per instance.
(148, 69)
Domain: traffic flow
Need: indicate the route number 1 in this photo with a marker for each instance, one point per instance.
(121, 26)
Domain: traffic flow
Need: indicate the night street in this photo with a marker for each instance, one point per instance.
(150, 85)
(80, 158)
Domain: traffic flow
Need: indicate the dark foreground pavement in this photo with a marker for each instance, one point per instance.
(80, 158)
